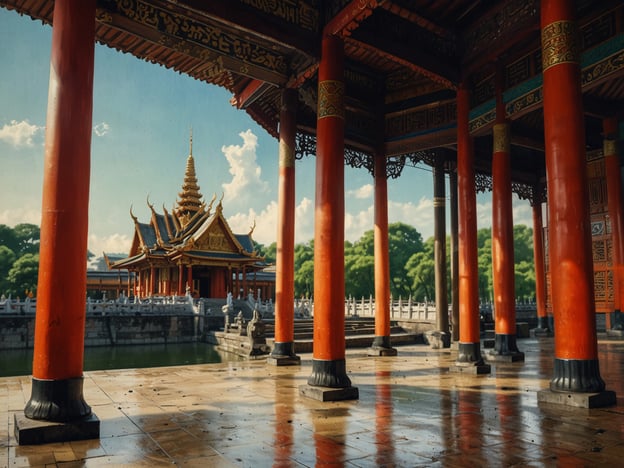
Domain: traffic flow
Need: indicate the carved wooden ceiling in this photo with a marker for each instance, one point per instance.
(404, 60)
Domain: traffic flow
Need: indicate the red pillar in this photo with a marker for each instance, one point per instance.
(189, 278)
(180, 280)
(381, 343)
(543, 326)
(614, 197)
(469, 357)
(284, 351)
(440, 337)
(329, 366)
(576, 366)
(454, 255)
(505, 347)
(61, 291)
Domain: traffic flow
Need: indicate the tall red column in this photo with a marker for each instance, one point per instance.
(576, 366)
(454, 255)
(329, 367)
(543, 327)
(381, 343)
(59, 328)
(440, 337)
(505, 347)
(614, 197)
(469, 357)
(283, 352)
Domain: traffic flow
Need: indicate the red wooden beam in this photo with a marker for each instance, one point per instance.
(251, 92)
(350, 17)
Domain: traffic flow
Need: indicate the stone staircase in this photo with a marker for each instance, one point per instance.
(359, 333)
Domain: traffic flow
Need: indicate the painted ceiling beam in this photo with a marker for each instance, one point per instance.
(350, 17)
(251, 92)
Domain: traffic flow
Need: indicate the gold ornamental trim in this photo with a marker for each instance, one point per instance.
(500, 134)
(560, 44)
(331, 99)
(609, 147)
(439, 202)
(286, 155)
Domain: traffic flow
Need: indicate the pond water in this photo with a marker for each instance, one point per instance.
(19, 361)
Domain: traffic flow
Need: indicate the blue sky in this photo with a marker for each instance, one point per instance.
(142, 115)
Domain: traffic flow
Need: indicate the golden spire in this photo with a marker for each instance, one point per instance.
(190, 198)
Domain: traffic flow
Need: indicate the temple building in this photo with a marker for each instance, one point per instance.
(190, 249)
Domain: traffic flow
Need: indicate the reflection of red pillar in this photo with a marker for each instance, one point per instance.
(284, 351)
(469, 330)
(538, 260)
(381, 343)
(570, 252)
(505, 347)
(329, 367)
(614, 197)
(384, 437)
(60, 321)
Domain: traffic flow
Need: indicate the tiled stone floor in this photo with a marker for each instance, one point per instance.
(411, 412)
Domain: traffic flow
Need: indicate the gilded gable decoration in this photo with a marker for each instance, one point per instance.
(189, 246)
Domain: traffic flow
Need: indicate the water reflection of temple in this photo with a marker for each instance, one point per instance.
(193, 250)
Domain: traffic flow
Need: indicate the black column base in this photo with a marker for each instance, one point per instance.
(329, 374)
(283, 354)
(329, 382)
(505, 349)
(542, 323)
(469, 360)
(381, 347)
(57, 400)
(577, 375)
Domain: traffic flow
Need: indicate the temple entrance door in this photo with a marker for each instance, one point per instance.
(204, 278)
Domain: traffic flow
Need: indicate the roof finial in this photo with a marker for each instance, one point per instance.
(191, 141)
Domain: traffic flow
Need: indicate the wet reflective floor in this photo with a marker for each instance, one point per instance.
(411, 412)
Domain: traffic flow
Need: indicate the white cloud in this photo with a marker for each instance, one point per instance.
(266, 221)
(304, 221)
(101, 129)
(357, 224)
(247, 181)
(419, 215)
(265, 231)
(114, 243)
(365, 191)
(19, 134)
(11, 217)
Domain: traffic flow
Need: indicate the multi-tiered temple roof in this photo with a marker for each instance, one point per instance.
(191, 231)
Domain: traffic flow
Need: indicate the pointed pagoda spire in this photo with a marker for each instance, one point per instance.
(190, 198)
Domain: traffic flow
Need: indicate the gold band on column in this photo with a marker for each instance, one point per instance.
(560, 44)
(439, 202)
(331, 99)
(501, 138)
(609, 147)
(286, 155)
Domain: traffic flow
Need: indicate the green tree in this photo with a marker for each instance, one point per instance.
(523, 243)
(7, 258)
(22, 276)
(304, 269)
(420, 270)
(27, 236)
(403, 242)
(359, 275)
(484, 261)
(8, 238)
